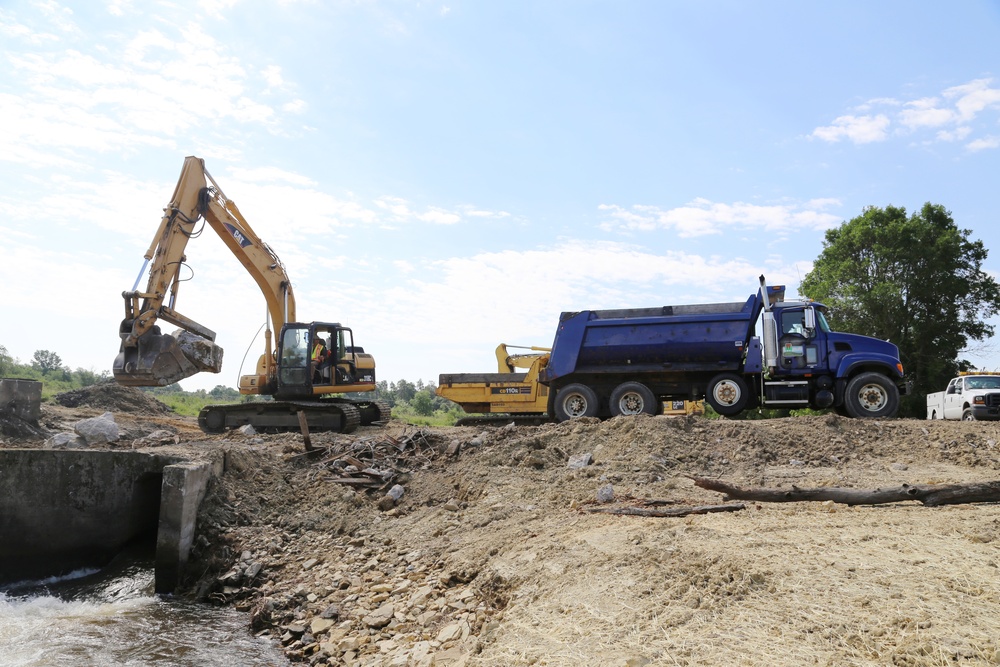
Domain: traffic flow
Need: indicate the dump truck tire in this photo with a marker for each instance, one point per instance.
(871, 395)
(576, 400)
(633, 398)
(728, 394)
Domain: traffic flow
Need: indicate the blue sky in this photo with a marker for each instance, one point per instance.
(443, 177)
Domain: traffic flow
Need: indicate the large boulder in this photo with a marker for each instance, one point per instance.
(98, 430)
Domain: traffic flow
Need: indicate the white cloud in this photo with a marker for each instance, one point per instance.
(858, 129)
(118, 7)
(984, 143)
(958, 134)
(215, 8)
(270, 174)
(925, 113)
(150, 91)
(59, 16)
(400, 212)
(951, 114)
(272, 76)
(974, 97)
(702, 217)
(439, 217)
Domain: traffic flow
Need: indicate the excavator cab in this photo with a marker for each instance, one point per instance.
(321, 358)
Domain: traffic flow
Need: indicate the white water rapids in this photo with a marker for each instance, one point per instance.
(114, 619)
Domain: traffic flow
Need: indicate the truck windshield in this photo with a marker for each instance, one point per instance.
(982, 383)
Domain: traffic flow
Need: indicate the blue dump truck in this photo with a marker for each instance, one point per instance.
(606, 363)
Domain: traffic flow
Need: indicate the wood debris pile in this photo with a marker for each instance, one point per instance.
(376, 462)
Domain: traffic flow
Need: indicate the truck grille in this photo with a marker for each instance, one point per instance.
(992, 400)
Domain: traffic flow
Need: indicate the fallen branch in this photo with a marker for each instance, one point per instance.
(931, 495)
(676, 511)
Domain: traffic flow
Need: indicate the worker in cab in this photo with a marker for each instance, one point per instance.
(320, 362)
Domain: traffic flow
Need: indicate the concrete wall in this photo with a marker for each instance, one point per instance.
(21, 398)
(63, 510)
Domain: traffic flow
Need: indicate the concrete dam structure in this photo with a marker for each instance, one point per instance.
(65, 510)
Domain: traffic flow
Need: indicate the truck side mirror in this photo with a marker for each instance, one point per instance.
(809, 321)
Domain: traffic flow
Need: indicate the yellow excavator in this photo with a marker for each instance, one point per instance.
(312, 365)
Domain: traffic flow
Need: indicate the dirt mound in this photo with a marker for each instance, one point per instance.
(491, 556)
(114, 397)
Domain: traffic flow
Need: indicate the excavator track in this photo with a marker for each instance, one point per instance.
(341, 416)
(373, 412)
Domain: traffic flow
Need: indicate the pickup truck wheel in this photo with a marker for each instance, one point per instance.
(633, 398)
(967, 415)
(575, 400)
(871, 395)
(728, 394)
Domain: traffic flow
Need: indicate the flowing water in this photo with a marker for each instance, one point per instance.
(113, 618)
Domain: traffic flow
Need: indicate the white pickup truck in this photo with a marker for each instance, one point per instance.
(969, 397)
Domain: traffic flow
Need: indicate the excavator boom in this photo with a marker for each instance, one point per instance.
(148, 357)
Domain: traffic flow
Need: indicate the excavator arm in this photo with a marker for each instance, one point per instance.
(506, 362)
(148, 357)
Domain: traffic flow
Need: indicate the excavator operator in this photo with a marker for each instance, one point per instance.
(320, 362)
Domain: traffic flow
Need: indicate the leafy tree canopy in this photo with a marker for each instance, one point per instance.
(914, 280)
(46, 361)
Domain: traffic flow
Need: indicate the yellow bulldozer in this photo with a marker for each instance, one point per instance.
(513, 395)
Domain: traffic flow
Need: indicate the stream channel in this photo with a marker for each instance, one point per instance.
(112, 618)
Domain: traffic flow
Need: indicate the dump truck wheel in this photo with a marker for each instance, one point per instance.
(633, 398)
(576, 400)
(728, 394)
(871, 395)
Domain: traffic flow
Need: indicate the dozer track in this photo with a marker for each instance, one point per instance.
(503, 420)
(340, 415)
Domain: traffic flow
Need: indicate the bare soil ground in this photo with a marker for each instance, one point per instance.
(491, 557)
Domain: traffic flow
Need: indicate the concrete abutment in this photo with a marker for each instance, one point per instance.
(62, 510)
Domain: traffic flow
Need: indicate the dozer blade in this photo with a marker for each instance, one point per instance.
(162, 359)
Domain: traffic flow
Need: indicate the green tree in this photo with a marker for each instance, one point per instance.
(404, 390)
(914, 280)
(46, 361)
(86, 377)
(423, 403)
(6, 362)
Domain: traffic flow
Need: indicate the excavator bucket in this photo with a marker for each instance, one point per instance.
(159, 359)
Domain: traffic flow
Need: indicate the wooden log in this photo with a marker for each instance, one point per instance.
(930, 495)
(672, 512)
(304, 426)
(356, 481)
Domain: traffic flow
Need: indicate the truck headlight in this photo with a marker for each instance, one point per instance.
(979, 400)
